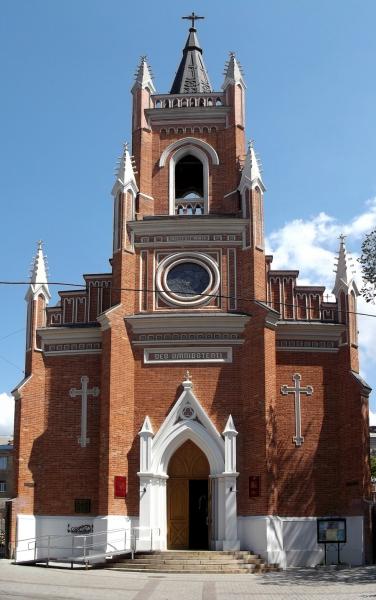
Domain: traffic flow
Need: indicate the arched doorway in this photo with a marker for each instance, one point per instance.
(188, 503)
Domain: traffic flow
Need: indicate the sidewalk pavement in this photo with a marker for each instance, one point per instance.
(41, 583)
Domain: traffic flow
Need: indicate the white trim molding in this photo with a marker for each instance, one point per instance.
(189, 141)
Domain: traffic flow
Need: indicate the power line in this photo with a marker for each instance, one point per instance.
(12, 333)
(155, 291)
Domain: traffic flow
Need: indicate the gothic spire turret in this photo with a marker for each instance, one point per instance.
(344, 271)
(251, 172)
(144, 77)
(192, 76)
(233, 72)
(38, 278)
(125, 173)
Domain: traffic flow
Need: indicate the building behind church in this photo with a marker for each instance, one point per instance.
(193, 393)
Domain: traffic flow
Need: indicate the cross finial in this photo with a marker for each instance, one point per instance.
(193, 17)
(342, 237)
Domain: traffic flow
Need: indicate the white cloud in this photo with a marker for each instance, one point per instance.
(310, 246)
(372, 418)
(6, 414)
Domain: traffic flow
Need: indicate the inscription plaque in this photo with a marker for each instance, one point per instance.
(188, 355)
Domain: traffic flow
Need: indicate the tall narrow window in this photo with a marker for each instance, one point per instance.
(189, 185)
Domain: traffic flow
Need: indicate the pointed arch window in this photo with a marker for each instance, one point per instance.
(189, 175)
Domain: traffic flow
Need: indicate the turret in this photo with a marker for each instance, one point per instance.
(37, 298)
(346, 293)
(142, 90)
(234, 88)
(252, 189)
(124, 192)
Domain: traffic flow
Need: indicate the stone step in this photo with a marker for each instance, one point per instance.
(196, 560)
(182, 565)
(185, 555)
(193, 561)
(228, 570)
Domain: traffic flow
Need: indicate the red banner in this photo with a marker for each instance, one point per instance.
(120, 486)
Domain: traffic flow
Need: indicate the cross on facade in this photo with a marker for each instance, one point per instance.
(298, 439)
(84, 392)
(193, 17)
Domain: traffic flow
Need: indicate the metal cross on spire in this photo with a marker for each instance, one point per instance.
(193, 17)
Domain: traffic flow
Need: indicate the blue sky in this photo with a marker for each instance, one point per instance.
(67, 68)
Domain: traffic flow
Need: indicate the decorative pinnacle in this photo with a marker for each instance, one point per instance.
(343, 280)
(187, 375)
(233, 72)
(38, 275)
(144, 77)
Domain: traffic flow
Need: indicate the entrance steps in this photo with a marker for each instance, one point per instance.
(193, 561)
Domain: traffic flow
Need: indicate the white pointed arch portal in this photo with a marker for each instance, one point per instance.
(188, 421)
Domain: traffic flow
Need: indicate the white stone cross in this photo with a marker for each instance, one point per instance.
(84, 393)
(298, 439)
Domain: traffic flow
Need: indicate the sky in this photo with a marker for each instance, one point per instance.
(66, 73)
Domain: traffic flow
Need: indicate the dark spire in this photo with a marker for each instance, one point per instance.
(191, 76)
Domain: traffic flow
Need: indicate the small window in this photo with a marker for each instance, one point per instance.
(3, 486)
(82, 506)
(3, 463)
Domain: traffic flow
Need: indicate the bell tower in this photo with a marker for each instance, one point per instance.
(193, 184)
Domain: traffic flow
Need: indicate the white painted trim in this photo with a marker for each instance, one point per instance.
(188, 322)
(16, 392)
(230, 193)
(104, 318)
(65, 335)
(146, 196)
(189, 141)
(309, 330)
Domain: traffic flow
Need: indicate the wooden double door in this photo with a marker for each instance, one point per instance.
(188, 499)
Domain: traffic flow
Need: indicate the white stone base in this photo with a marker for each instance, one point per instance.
(112, 533)
(292, 541)
(288, 541)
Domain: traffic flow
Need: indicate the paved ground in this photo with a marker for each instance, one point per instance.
(19, 582)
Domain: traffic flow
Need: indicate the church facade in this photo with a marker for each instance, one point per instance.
(193, 394)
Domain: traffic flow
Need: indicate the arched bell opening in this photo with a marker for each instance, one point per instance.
(189, 177)
(188, 499)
